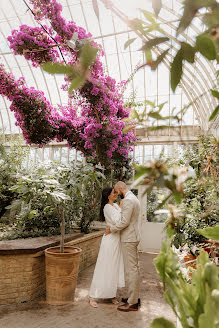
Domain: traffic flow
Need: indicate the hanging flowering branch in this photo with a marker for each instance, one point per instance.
(34, 44)
(98, 130)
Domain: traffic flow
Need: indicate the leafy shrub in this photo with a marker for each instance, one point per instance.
(37, 193)
(38, 196)
(10, 162)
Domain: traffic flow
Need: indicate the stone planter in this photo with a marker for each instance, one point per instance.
(61, 274)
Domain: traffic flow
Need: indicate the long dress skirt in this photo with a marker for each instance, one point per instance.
(109, 269)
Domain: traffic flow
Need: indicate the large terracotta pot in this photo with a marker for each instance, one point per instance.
(61, 274)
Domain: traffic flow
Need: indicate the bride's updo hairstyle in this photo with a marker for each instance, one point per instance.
(105, 194)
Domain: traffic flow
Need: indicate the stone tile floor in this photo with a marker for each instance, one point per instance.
(81, 315)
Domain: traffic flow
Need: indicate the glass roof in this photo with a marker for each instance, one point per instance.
(111, 31)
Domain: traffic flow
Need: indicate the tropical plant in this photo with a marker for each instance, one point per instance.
(195, 303)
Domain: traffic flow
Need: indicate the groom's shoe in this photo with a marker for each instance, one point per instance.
(125, 300)
(127, 307)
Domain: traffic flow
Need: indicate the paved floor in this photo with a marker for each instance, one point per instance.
(81, 315)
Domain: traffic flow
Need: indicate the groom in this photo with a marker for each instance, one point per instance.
(129, 239)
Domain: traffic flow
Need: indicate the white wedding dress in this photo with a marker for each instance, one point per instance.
(109, 270)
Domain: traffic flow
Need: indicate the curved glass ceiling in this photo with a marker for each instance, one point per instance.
(112, 32)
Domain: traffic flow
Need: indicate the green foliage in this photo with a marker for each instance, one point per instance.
(11, 163)
(162, 323)
(197, 197)
(76, 83)
(139, 117)
(194, 303)
(159, 175)
(84, 184)
(210, 232)
(188, 52)
(154, 199)
(215, 93)
(199, 208)
(204, 158)
(153, 42)
(41, 193)
(207, 43)
(206, 46)
(191, 9)
(176, 69)
(88, 55)
(129, 42)
(159, 59)
(77, 74)
(214, 113)
(56, 68)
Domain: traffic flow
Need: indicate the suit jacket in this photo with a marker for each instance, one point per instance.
(129, 219)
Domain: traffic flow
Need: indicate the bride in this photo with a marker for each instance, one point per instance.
(109, 270)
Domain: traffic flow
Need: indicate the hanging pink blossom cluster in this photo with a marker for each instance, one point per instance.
(34, 43)
(97, 128)
(31, 109)
(51, 9)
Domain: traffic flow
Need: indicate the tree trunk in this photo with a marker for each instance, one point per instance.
(62, 231)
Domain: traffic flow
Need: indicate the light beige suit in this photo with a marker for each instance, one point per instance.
(130, 237)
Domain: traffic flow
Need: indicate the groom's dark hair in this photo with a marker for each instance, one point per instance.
(105, 194)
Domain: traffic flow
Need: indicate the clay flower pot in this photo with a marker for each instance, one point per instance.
(190, 260)
(61, 274)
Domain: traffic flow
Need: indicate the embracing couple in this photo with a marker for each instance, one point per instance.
(117, 262)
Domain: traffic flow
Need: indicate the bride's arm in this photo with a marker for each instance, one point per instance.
(112, 215)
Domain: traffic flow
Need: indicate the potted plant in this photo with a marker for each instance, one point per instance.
(62, 262)
(41, 197)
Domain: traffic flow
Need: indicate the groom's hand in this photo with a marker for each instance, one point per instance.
(107, 231)
(121, 203)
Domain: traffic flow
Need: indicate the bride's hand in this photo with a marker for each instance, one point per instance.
(107, 231)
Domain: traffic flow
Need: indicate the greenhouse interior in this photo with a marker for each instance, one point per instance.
(109, 167)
